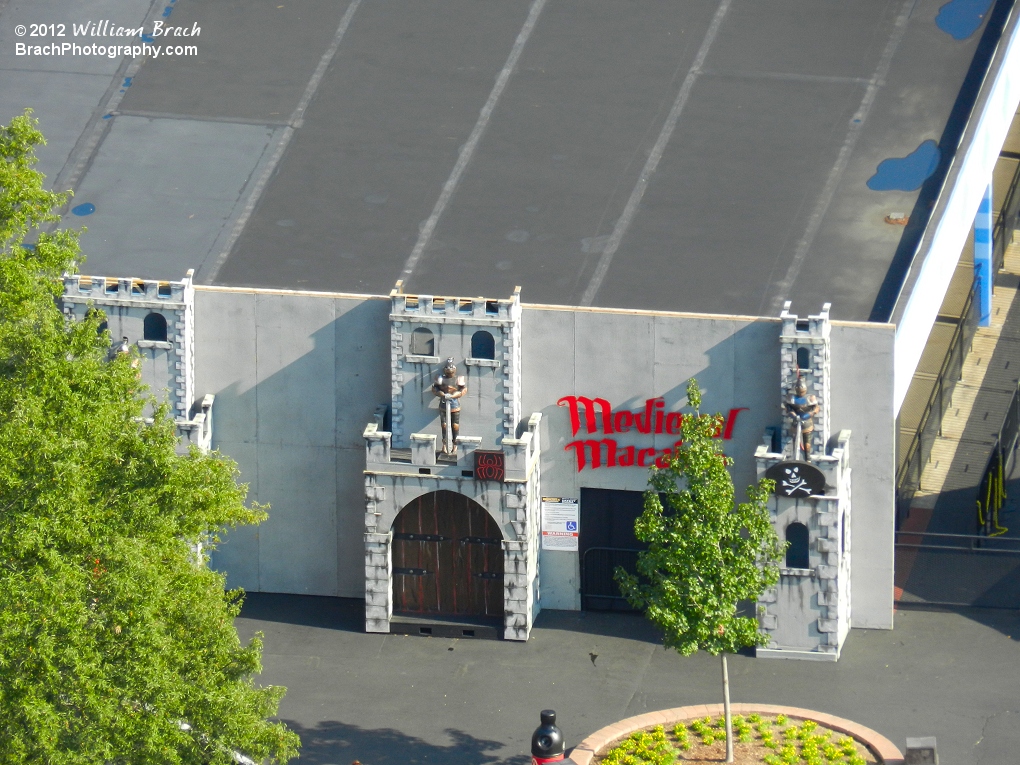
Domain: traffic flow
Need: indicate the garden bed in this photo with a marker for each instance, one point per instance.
(763, 735)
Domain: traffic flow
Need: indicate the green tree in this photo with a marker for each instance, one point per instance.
(705, 553)
(116, 644)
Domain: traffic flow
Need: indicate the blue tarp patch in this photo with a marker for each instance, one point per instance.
(962, 18)
(906, 173)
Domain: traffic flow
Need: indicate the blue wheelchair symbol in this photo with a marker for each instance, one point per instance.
(571, 525)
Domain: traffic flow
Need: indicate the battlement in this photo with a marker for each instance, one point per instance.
(441, 309)
(109, 289)
(812, 329)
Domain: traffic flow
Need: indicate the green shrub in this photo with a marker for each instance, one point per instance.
(831, 751)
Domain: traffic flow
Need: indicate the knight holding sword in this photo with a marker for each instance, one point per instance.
(802, 407)
(449, 388)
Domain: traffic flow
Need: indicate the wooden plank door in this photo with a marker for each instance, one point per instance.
(447, 558)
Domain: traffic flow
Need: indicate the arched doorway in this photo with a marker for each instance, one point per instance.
(447, 558)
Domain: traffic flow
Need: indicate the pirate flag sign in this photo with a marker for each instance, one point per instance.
(796, 479)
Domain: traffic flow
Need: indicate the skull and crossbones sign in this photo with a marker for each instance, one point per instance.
(793, 484)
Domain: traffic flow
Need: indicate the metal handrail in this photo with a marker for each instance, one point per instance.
(1006, 221)
(992, 484)
(962, 337)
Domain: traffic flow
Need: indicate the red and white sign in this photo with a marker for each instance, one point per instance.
(607, 452)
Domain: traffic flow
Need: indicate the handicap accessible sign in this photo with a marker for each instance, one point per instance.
(560, 523)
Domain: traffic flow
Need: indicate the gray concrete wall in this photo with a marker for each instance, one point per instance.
(862, 400)
(298, 376)
(629, 356)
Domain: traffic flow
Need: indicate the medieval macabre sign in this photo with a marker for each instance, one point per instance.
(796, 479)
(600, 417)
(561, 523)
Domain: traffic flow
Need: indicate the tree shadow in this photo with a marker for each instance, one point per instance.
(346, 614)
(335, 743)
(616, 624)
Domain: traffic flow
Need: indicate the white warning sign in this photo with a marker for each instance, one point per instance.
(561, 523)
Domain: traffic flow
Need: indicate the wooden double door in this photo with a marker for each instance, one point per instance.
(447, 558)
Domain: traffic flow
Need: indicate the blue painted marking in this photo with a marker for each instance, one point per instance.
(147, 38)
(983, 257)
(906, 173)
(107, 116)
(167, 11)
(127, 82)
(84, 209)
(962, 18)
(28, 246)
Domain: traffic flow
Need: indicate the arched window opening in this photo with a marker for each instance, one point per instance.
(423, 342)
(483, 345)
(797, 551)
(803, 358)
(154, 327)
(103, 327)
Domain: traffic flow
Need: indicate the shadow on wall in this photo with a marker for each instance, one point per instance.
(335, 742)
(320, 366)
(742, 373)
(328, 394)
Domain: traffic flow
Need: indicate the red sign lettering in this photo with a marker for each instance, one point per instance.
(606, 452)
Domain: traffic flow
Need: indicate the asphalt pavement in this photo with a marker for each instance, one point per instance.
(400, 700)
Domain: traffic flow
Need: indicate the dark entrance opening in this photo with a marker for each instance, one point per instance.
(607, 540)
(447, 559)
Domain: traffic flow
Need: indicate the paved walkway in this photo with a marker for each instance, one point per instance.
(395, 700)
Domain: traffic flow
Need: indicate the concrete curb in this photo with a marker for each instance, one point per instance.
(887, 752)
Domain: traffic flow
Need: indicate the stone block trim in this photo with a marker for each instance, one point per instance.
(513, 504)
(826, 516)
(884, 750)
(452, 316)
(813, 334)
(131, 300)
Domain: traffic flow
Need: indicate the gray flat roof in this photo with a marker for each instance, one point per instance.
(669, 154)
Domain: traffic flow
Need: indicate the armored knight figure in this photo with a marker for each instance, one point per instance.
(803, 408)
(449, 388)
